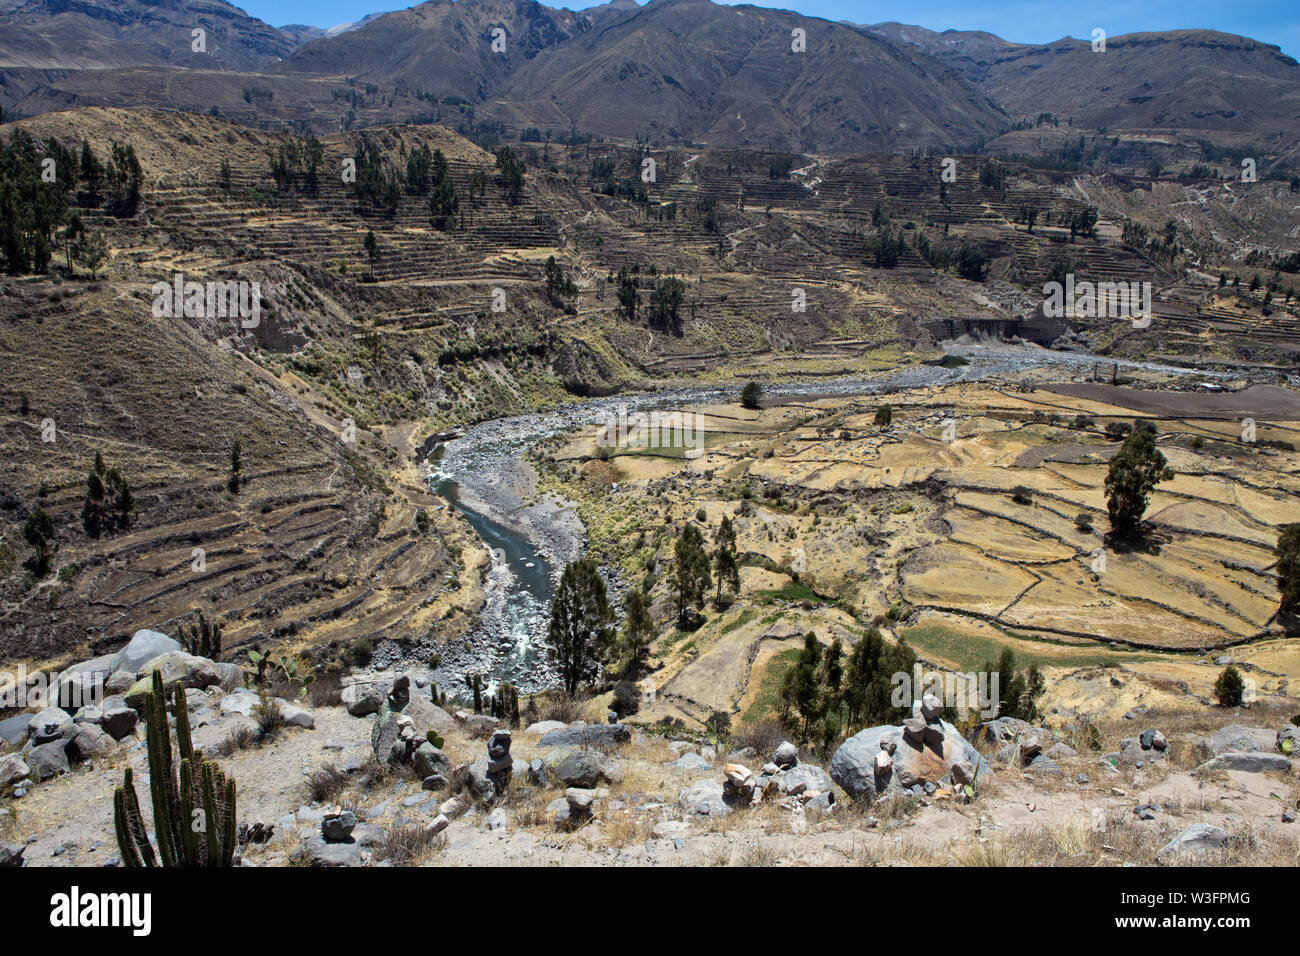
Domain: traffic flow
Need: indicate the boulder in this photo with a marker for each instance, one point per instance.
(48, 760)
(52, 723)
(429, 760)
(429, 716)
(582, 768)
(231, 677)
(596, 735)
(1152, 739)
(931, 708)
(1252, 762)
(361, 700)
(175, 667)
(543, 727)
(295, 716)
(317, 851)
(480, 782)
(144, 646)
(1060, 751)
(853, 766)
(537, 773)
(13, 730)
(119, 720)
(703, 798)
(1002, 729)
(83, 683)
(11, 855)
(786, 755)
(1198, 838)
(337, 827)
(690, 761)
(89, 741)
(803, 779)
(240, 702)
(1237, 738)
(12, 769)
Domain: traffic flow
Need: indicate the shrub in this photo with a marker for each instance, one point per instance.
(627, 699)
(268, 716)
(325, 784)
(1230, 688)
(1022, 495)
(751, 394)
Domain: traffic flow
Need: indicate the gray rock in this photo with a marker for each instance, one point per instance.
(435, 782)
(1237, 738)
(361, 700)
(48, 760)
(1060, 751)
(119, 721)
(12, 769)
(317, 851)
(537, 773)
(543, 727)
(703, 798)
(1153, 739)
(496, 820)
(1289, 732)
(240, 702)
(805, 778)
(582, 768)
(853, 765)
(931, 708)
(690, 761)
(52, 723)
(144, 646)
(231, 677)
(429, 760)
(119, 682)
(1248, 763)
(83, 683)
(295, 716)
(596, 735)
(11, 855)
(1198, 838)
(89, 741)
(1003, 729)
(1044, 764)
(175, 667)
(963, 772)
(480, 782)
(1145, 812)
(1030, 747)
(336, 829)
(13, 730)
(786, 755)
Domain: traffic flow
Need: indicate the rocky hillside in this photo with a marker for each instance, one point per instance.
(385, 775)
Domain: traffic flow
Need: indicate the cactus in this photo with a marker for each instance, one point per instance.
(203, 639)
(435, 738)
(193, 804)
(475, 682)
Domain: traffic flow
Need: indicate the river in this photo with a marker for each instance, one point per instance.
(482, 474)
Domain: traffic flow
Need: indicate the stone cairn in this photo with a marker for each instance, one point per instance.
(500, 763)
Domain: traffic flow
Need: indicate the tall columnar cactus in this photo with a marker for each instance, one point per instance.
(505, 704)
(193, 812)
(475, 682)
(203, 639)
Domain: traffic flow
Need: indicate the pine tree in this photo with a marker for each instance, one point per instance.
(726, 566)
(690, 575)
(581, 623)
(1134, 471)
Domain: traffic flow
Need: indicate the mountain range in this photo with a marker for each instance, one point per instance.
(672, 71)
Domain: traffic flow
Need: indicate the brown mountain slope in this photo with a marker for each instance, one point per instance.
(1227, 87)
(107, 34)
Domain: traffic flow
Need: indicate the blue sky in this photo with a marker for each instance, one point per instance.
(1024, 21)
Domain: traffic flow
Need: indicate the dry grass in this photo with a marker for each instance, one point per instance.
(325, 784)
(325, 691)
(763, 735)
(408, 845)
(558, 706)
(240, 738)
